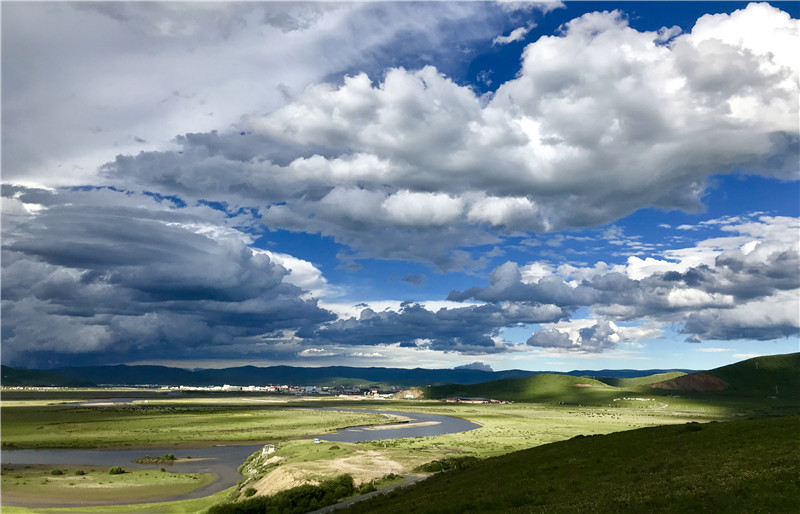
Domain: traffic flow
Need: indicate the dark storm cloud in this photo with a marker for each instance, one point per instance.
(80, 278)
(468, 330)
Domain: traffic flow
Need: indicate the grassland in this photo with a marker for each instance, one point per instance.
(176, 507)
(46, 485)
(169, 423)
(571, 411)
(739, 466)
(640, 381)
(511, 427)
(504, 428)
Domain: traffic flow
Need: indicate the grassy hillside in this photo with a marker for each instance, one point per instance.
(740, 466)
(773, 376)
(545, 387)
(640, 381)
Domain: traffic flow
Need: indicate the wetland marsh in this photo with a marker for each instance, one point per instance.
(220, 433)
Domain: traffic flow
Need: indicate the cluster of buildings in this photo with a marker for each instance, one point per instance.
(340, 391)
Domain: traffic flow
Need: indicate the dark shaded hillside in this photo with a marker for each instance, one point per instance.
(13, 377)
(732, 467)
(776, 376)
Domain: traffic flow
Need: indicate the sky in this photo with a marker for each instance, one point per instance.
(492, 185)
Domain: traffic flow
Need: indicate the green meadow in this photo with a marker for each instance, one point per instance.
(733, 467)
(604, 444)
(176, 507)
(167, 423)
(48, 485)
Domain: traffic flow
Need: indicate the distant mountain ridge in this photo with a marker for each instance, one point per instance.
(251, 375)
(34, 377)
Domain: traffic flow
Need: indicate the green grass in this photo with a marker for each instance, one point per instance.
(738, 466)
(166, 423)
(640, 381)
(542, 388)
(550, 408)
(769, 376)
(178, 507)
(511, 427)
(550, 389)
(41, 485)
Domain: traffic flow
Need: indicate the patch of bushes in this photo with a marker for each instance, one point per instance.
(292, 501)
(367, 488)
(448, 464)
(147, 459)
(116, 470)
(56, 472)
(250, 491)
(80, 472)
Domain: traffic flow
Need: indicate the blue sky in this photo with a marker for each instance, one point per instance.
(515, 184)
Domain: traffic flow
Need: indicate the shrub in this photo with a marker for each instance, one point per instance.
(56, 472)
(80, 472)
(250, 491)
(448, 464)
(296, 500)
(115, 470)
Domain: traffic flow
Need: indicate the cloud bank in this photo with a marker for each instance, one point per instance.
(411, 165)
(99, 273)
(398, 162)
(743, 286)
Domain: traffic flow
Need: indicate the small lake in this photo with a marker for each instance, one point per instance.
(224, 461)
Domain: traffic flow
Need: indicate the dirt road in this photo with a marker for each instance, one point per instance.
(410, 480)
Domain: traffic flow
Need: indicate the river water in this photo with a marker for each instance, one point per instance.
(418, 425)
(224, 460)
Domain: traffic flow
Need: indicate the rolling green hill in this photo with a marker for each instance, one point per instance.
(640, 381)
(739, 466)
(545, 387)
(775, 376)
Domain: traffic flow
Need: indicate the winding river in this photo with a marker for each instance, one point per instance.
(224, 460)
